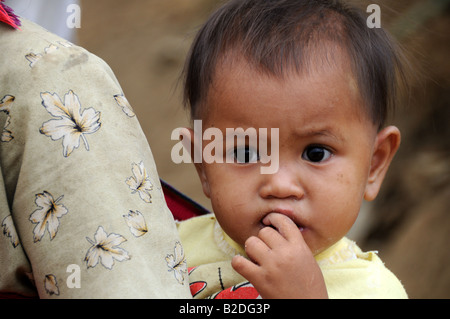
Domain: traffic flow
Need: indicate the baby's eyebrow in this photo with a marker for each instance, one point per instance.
(321, 132)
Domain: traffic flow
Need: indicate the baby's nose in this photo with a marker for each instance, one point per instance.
(284, 184)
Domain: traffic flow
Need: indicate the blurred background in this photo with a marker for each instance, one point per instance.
(145, 43)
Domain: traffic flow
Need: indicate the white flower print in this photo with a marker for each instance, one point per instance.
(5, 106)
(136, 222)
(10, 231)
(72, 124)
(177, 263)
(51, 285)
(5, 103)
(140, 182)
(6, 134)
(47, 215)
(104, 249)
(122, 101)
(33, 57)
(65, 44)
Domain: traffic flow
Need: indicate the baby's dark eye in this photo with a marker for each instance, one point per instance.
(316, 154)
(246, 154)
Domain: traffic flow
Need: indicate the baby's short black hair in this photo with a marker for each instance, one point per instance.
(278, 36)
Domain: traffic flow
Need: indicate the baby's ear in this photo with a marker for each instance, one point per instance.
(386, 145)
(188, 140)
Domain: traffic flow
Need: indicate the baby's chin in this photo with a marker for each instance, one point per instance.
(317, 249)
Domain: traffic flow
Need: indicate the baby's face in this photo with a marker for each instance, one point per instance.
(325, 143)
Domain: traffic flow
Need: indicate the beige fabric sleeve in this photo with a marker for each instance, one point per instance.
(82, 212)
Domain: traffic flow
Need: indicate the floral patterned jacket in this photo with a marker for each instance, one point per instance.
(82, 213)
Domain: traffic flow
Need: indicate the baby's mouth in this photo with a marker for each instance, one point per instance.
(299, 226)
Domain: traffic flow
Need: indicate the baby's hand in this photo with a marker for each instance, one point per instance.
(281, 264)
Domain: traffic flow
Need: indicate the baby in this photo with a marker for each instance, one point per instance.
(315, 71)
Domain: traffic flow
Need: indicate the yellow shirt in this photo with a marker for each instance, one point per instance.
(348, 271)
